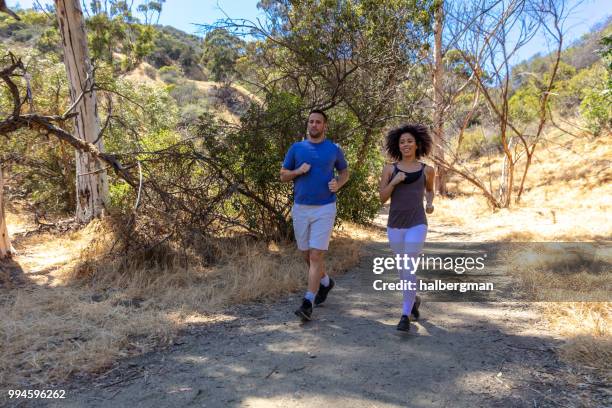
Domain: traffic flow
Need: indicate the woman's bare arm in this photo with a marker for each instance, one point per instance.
(430, 175)
(386, 186)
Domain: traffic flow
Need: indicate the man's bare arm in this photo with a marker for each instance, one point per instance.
(335, 184)
(289, 175)
(343, 177)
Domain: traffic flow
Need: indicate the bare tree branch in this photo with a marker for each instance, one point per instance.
(5, 9)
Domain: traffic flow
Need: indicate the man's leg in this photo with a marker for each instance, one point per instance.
(320, 234)
(316, 269)
(310, 292)
(320, 222)
(324, 279)
(301, 228)
(306, 255)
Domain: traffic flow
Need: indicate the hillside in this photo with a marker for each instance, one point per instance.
(567, 198)
(194, 96)
(173, 52)
(170, 47)
(580, 54)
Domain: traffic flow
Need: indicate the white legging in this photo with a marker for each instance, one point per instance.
(407, 241)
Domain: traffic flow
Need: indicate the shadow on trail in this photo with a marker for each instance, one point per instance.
(349, 355)
(11, 274)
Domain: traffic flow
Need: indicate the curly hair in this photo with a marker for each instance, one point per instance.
(421, 136)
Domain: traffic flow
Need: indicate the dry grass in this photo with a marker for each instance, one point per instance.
(563, 271)
(244, 270)
(71, 317)
(50, 333)
(558, 277)
(586, 328)
(567, 199)
(139, 76)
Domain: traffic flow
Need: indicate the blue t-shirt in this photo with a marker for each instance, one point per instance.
(311, 188)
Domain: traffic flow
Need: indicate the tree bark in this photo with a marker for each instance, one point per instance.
(91, 178)
(505, 188)
(438, 88)
(5, 242)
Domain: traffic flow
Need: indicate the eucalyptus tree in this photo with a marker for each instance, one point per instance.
(92, 184)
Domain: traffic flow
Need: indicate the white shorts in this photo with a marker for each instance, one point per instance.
(313, 225)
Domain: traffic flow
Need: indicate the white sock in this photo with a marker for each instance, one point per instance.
(325, 280)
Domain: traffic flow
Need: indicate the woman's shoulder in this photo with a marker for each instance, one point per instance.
(388, 167)
(428, 169)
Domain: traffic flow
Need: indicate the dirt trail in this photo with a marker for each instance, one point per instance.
(459, 354)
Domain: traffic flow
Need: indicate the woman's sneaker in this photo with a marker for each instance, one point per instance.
(305, 311)
(404, 324)
(415, 308)
(323, 291)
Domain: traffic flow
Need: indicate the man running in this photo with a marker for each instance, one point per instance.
(310, 165)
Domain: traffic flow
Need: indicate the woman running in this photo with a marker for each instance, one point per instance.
(406, 181)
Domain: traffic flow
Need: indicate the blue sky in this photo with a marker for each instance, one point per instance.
(184, 14)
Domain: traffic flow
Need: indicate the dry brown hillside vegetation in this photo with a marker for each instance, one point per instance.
(226, 101)
(567, 196)
(65, 310)
(568, 199)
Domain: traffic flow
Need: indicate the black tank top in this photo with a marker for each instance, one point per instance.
(407, 208)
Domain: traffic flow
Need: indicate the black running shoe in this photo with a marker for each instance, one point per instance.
(415, 308)
(404, 324)
(323, 291)
(305, 311)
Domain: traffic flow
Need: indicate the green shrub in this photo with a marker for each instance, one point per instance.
(121, 196)
(525, 104)
(150, 72)
(170, 74)
(148, 115)
(596, 108)
(475, 143)
(191, 112)
(251, 156)
(159, 140)
(358, 200)
(185, 93)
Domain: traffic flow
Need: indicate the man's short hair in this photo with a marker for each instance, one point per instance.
(320, 112)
